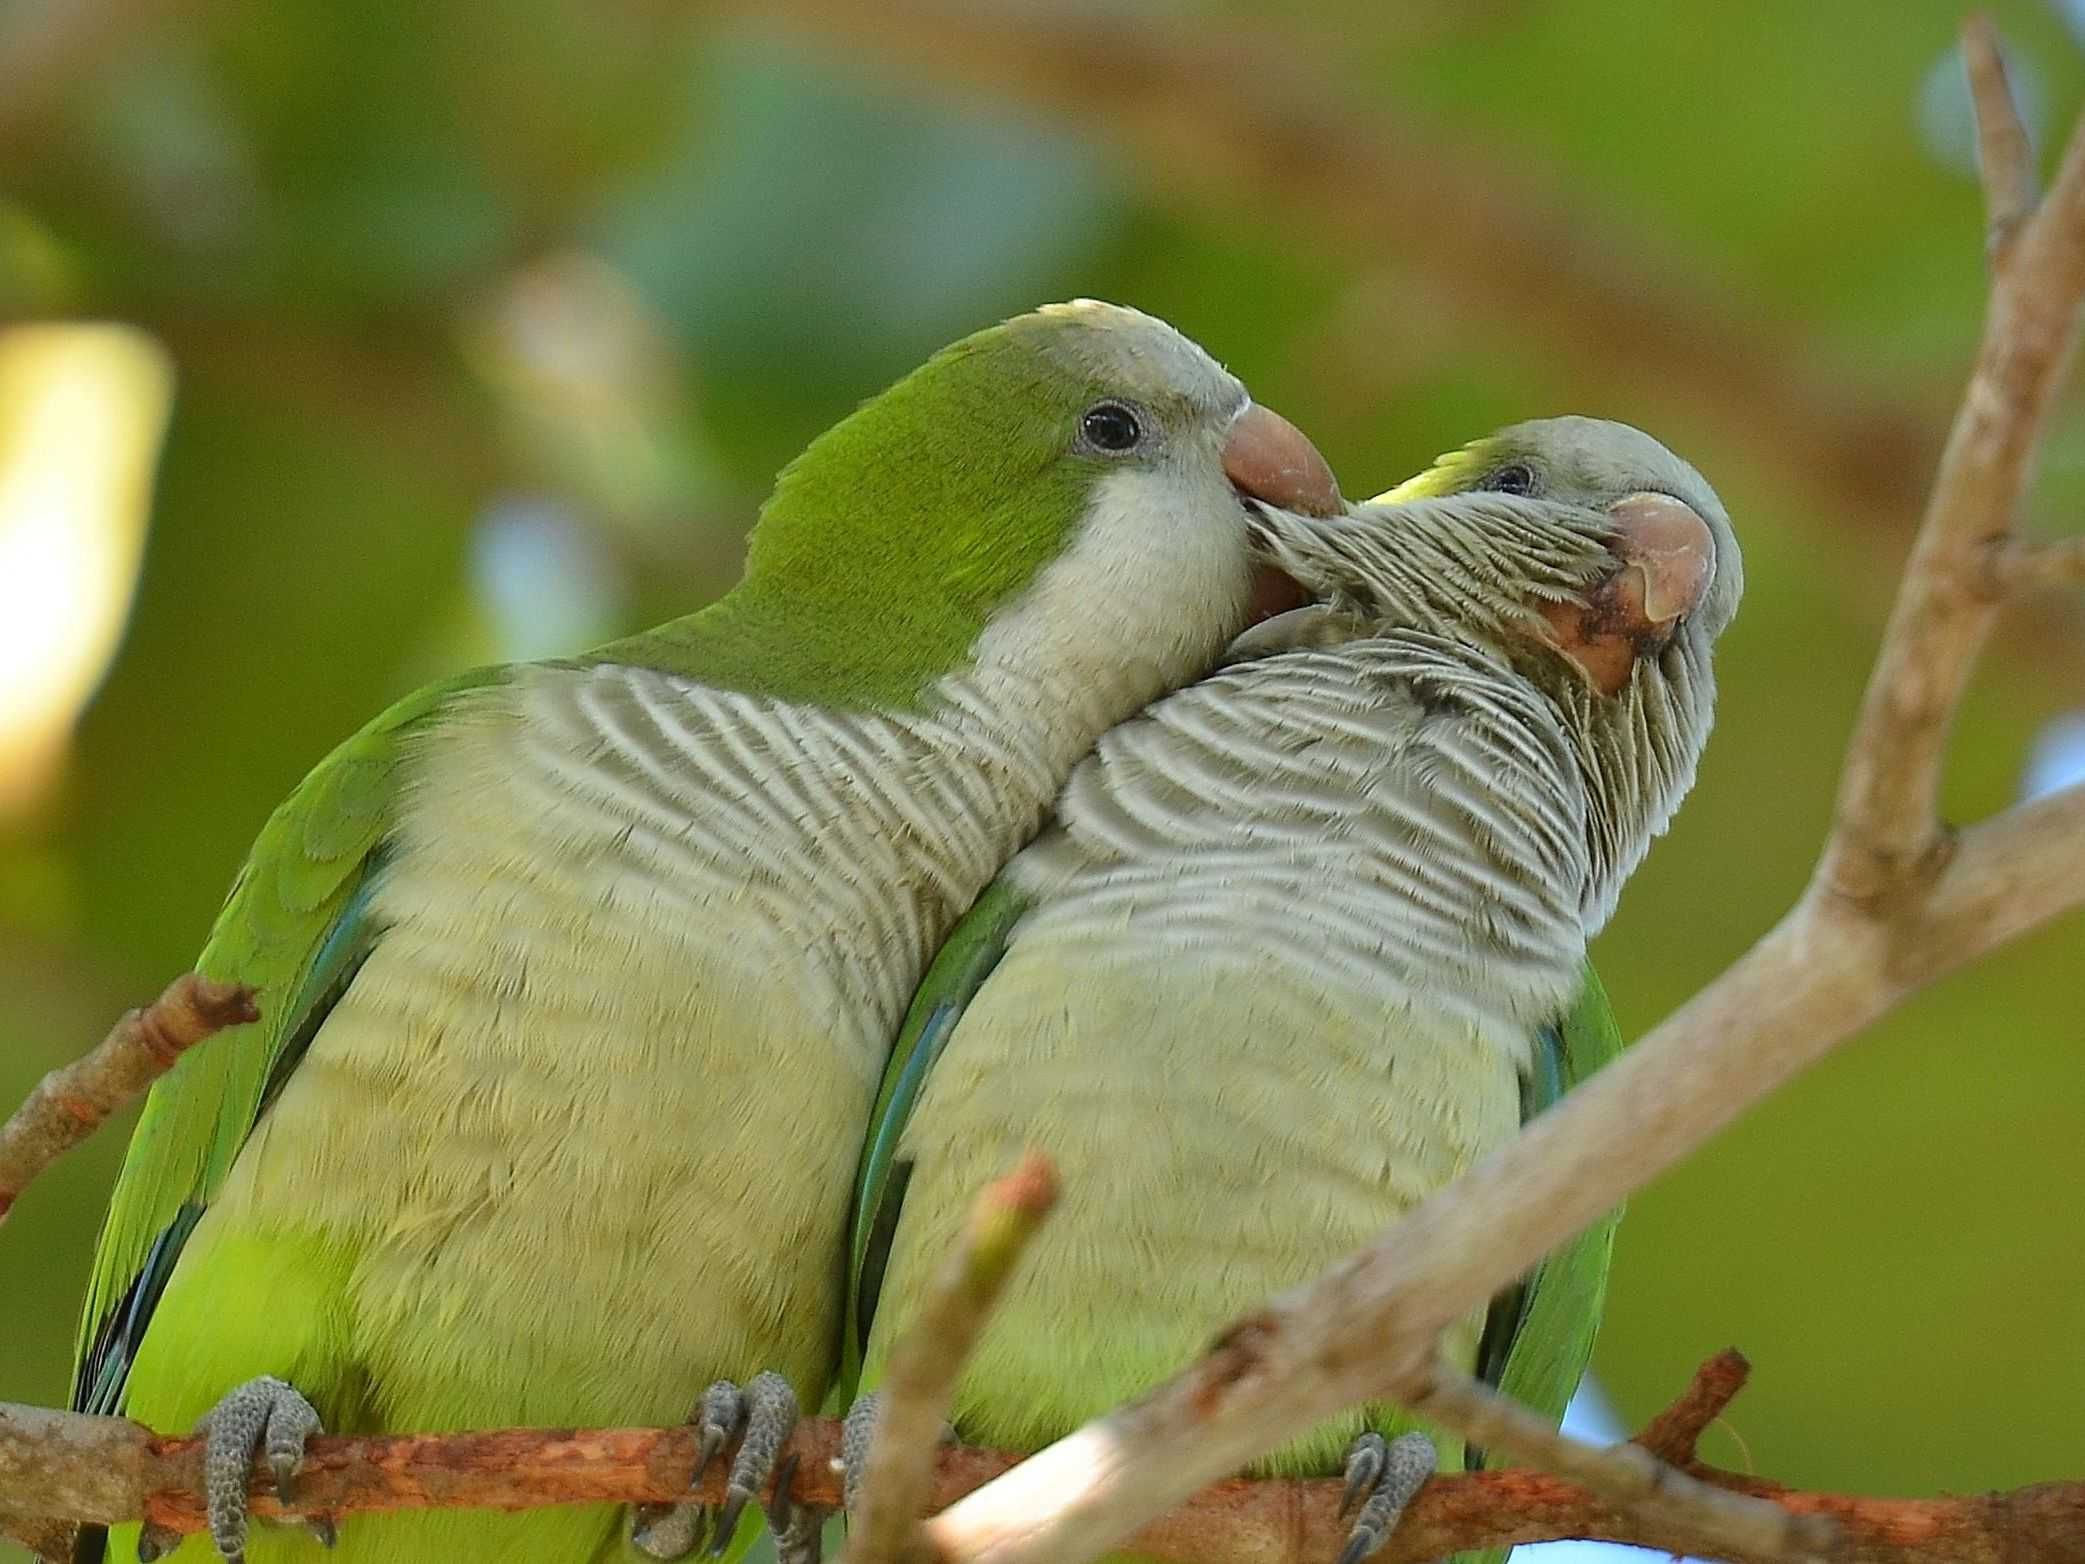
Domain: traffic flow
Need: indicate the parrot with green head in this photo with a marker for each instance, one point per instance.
(1305, 940)
(577, 977)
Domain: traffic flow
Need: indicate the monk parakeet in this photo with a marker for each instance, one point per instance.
(1305, 940)
(577, 978)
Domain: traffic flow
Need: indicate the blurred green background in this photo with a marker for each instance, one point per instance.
(490, 325)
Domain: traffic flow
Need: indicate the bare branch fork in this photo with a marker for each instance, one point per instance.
(1897, 899)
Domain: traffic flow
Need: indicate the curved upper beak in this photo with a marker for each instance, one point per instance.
(1267, 458)
(1669, 549)
(1667, 557)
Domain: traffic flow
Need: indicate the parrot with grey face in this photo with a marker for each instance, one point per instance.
(1305, 940)
(577, 977)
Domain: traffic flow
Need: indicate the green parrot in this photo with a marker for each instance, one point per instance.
(577, 977)
(1307, 939)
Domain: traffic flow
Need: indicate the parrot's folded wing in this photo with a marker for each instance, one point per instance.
(1537, 1353)
(958, 972)
(296, 929)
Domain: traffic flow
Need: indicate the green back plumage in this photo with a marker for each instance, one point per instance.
(293, 928)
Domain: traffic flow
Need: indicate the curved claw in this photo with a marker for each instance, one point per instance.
(781, 1503)
(771, 1414)
(1401, 1468)
(667, 1531)
(722, 1413)
(1365, 1459)
(727, 1523)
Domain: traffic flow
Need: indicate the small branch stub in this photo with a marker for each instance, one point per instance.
(928, 1360)
(1633, 1477)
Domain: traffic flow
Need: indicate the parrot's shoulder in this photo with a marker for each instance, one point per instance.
(295, 928)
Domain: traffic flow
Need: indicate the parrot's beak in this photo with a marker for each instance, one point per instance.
(1668, 560)
(1668, 554)
(1270, 460)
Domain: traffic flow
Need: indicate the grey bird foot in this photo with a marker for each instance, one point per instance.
(766, 1412)
(857, 1430)
(1382, 1475)
(856, 1433)
(264, 1415)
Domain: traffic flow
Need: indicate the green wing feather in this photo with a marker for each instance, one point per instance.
(1560, 1311)
(296, 928)
(958, 972)
(1539, 1336)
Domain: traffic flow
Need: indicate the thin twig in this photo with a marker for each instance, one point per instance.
(2005, 153)
(1888, 841)
(106, 1470)
(71, 1102)
(928, 1359)
(1629, 1476)
(1674, 1433)
(2021, 567)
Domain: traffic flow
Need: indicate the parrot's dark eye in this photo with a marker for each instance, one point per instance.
(1109, 426)
(1514, 478)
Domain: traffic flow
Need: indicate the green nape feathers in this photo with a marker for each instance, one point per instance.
(954, 488)
(1306, 939)
(576, 978)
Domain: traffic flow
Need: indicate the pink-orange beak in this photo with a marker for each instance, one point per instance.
(1668, 560)
(1267, 458)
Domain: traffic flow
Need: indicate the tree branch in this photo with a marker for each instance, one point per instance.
(106, 1470)
(2004, 152)
(2020, 567)
(71, 1102)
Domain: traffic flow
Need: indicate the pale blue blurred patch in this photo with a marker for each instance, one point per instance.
(2073, 14)
(1592, 1418)
(546, 584)
(810, 216)
(1946, 117)
(2058, 758)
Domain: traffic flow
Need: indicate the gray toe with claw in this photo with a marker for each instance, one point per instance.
(765, 1414)
(1382, 1475)
(855, 1436)
(265, 1415)
(770, 1414)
